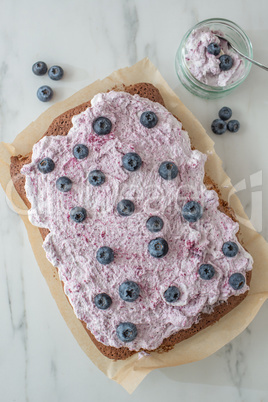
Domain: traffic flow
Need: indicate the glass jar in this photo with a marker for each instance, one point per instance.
(237, 37)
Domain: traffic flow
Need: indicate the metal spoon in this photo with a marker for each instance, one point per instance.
(242, 55)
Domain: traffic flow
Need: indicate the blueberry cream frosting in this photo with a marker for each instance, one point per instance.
(210, 60)
(137, 238)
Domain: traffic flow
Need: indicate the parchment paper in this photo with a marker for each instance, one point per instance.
(129, 373)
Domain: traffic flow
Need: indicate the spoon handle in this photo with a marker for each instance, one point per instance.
(248, 58)
(242, 55)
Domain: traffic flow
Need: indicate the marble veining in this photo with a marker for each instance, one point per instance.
(40, 360)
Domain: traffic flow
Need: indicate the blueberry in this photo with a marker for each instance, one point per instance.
(55, 73)
(96, 178)
(158, 247)
(154, 224)
(102, 125)
(168, 170)
(237, 281)
(129, 291)
(44, 93)
(225, 113)
(126, 331)
(230, 249)
(226, 62)
(46, 165)
(102, 301)
(39, 68)
(233, 126)
(80, 151)
(131, 161)
(218, 126)
(214, 48)
(192, 211)
(78, 214)
(64, 184)
(172, 294)
(148, 119)
(125, 207)
(206, 271)
(105, 255)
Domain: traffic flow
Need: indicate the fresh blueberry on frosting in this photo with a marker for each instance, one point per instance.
(158, 247)
(226, 62)
(154, 224)
(192, 211)
(64, 184)
(46, 165)
(131, 161)
(126, 331)
(80, 151)
(96, 177)
(129, 291)
(237, 281)
(102, 301)
(105, 255)
(230, 249)
(125, 208)
(172, 294)
(168, 170)
(206, 271)
(214, 48)
(78, 214)
(148, 119)
(102, 126)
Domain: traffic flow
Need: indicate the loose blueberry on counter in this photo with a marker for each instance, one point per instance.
(225, 113)
(206, 271)
(148, 119)
(80, 151)
(46, 165)
(214, 48)
(158, 247)
(39, 68)
(102, 125)
(226, 62)
(96, 177)
(129, 291)
(168, 170)
(154, 224)
(55, 73)
(126, 331)
(172, 294)
(105, 255)
(230, 249)
(233, 126)
(78, 214)
(192, 211)
(131, 161)
(44, 93)
(218, 126)
(237, 281)
(64, 184)
(125, 208)
(102, 301)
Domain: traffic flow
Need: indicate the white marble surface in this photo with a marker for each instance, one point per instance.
(40, 360)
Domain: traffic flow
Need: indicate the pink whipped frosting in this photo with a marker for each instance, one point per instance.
(72, 247)
(205, 66)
